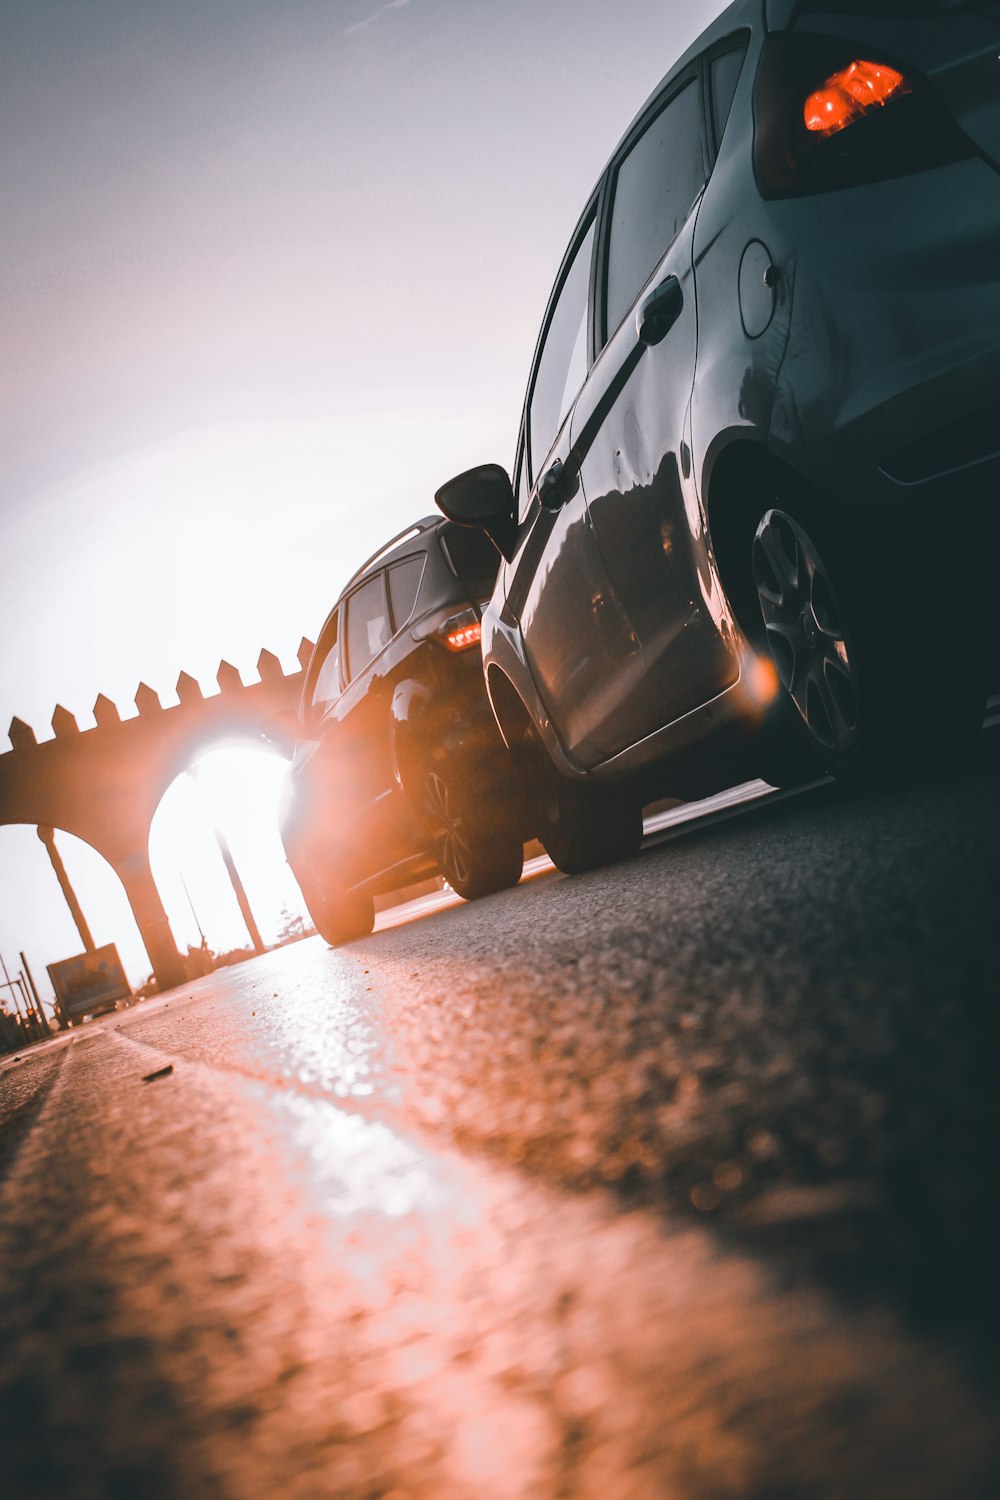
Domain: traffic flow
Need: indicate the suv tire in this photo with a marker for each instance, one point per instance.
(477, 848)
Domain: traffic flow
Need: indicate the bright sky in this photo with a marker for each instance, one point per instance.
(270, 273)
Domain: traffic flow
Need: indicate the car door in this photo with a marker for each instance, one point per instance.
(577, 640)
(630, 425)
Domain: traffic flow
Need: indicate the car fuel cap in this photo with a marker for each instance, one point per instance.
(758, 279)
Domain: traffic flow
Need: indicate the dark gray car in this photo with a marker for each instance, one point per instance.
(753, 520)
(399, 772)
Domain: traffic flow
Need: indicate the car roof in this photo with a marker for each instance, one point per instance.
(400, 544)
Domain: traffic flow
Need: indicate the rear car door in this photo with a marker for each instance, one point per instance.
(630, 426)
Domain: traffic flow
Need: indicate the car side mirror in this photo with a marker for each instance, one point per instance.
(482, 497)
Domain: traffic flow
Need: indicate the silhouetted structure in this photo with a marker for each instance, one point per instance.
(105, 784)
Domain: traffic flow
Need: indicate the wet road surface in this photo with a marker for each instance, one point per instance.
(674, 1180)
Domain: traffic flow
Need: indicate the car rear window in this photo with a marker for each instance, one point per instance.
(367, 624)
(404, 582)
(724, 72)
(655, 186)
(472, 558)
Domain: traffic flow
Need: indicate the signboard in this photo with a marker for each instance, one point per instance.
(90, 982)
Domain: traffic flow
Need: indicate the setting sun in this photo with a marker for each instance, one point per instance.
(234, 791)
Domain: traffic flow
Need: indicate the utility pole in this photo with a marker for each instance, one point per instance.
(38, 1001)
(17, 995)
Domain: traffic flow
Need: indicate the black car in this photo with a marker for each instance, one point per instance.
(753, 524)
(400, 772)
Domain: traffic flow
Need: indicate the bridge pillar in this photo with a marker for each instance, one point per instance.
(154, 927)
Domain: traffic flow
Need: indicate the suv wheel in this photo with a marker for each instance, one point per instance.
(339, 915)
(581, 825)
(477, 848)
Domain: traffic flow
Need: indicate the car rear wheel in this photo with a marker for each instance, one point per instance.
(854, 700)
(580, 825)
(339, 915)
(477, 847)
(809, 640)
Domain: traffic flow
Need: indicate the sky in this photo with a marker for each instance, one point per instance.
(269, 274)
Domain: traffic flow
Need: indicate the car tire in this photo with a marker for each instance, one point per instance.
(849, 701)
(580, 825)
(339, 915)
(477, 846)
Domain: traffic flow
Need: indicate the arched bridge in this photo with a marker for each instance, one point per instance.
(105, 784)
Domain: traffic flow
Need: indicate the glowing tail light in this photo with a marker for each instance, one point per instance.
(461, 631)
(850, 94)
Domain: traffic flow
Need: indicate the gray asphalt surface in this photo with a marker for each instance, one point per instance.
(675, 1180)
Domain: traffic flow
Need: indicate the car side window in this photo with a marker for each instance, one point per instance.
(404, 583)
(724, 74)
(326, 688)
(367, 624)
(562, 364)
(655, 186)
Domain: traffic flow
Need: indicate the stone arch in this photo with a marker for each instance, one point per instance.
(104, 784)
(38, 919)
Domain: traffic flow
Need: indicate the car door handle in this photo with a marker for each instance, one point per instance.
(658, 311)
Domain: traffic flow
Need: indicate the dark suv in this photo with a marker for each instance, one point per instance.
(399, 772)
(753, 523)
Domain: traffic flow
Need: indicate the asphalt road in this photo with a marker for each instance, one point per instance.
(677, 1180)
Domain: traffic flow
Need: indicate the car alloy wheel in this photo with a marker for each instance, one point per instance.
(807, 634)
(451, 845)
(477, 847)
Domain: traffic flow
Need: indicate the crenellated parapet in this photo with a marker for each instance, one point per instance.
(104, 783)
(229, 684)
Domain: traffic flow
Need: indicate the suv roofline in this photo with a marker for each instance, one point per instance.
(415, 528)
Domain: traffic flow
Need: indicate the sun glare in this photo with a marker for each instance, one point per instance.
(232, 792)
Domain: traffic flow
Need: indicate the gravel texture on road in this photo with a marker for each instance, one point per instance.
(674, 1180)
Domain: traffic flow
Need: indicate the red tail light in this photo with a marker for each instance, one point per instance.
(849, 94)
(827, 116)
(461, 632)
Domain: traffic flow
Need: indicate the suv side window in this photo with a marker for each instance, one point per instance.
(404, 583)
(326, 688)
(655, 186)
(563, 362)
(367, 624)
